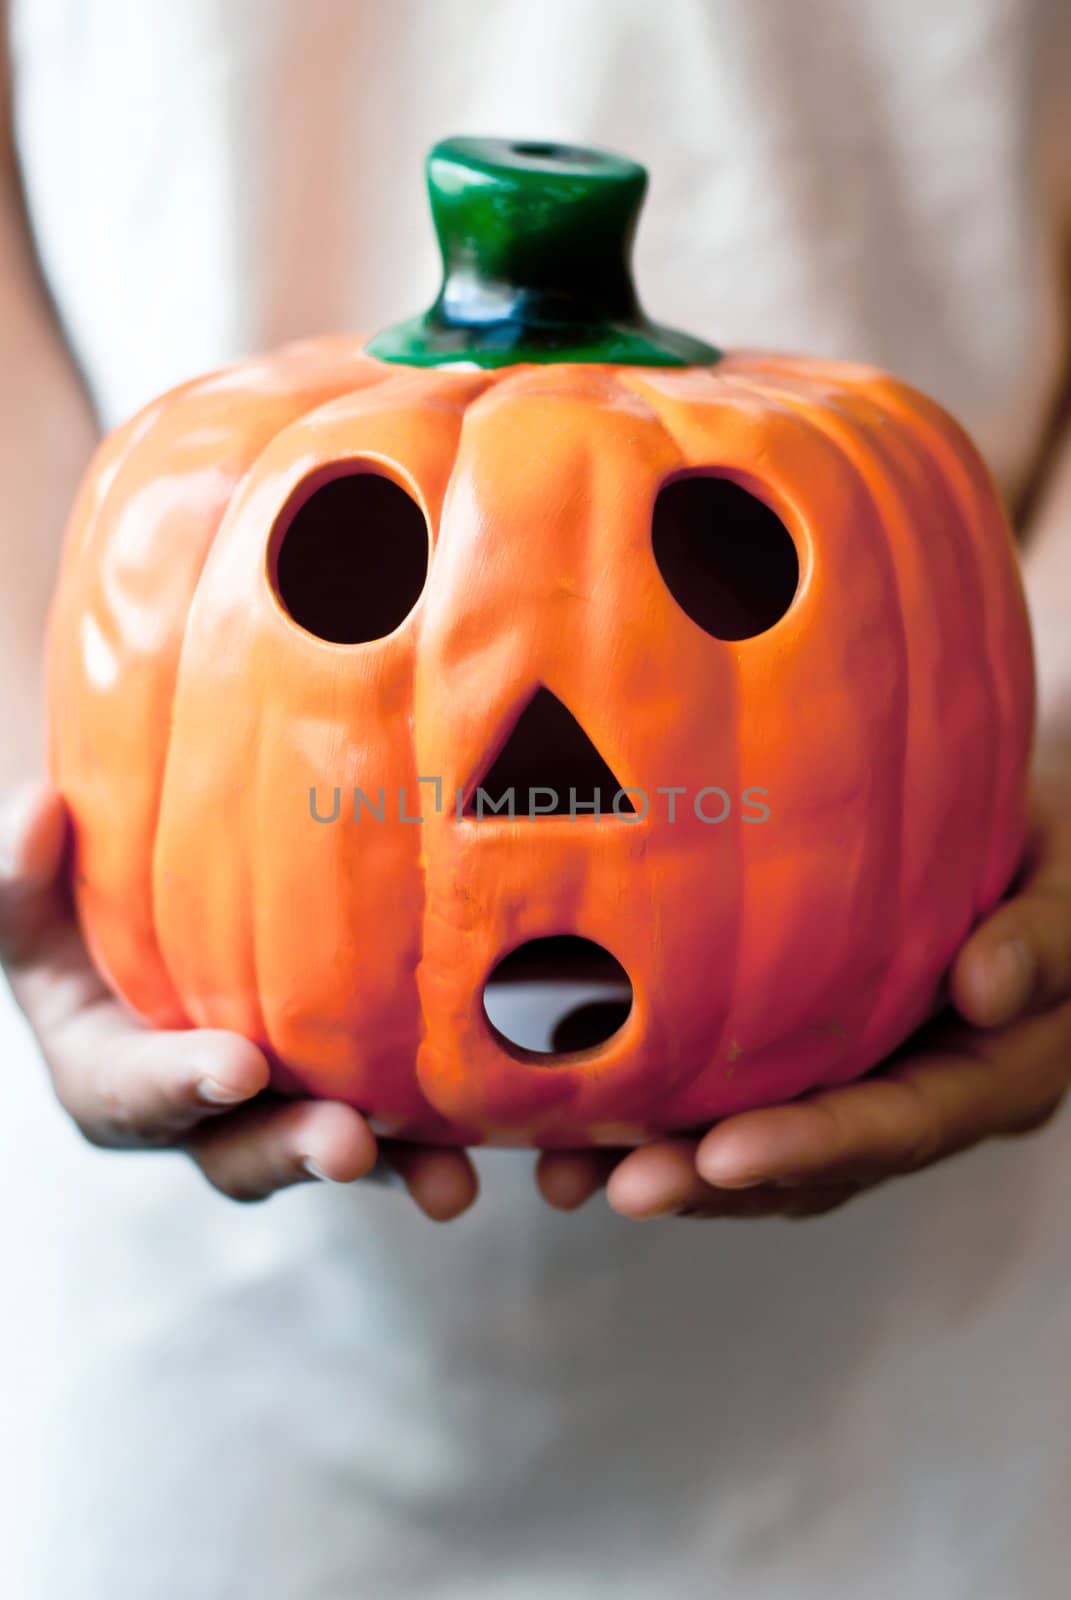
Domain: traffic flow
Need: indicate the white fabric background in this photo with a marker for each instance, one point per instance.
(328, 1396)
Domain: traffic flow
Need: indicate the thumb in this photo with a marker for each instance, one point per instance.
(33, 835)
(1018, 961)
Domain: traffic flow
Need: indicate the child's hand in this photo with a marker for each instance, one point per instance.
(128, 1087)
(1002, 1070)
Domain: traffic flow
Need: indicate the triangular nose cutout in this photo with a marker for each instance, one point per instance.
(551, 768)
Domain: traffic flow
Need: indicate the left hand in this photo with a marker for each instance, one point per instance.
(1001, 1067)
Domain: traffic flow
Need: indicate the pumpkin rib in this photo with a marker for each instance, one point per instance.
(83, 520)
(1008, 659)
(298, 349)
(734, 385)
(688, 1077)
(92, 502)
(513, 865)
(421, 394)
(1005, 625)
(171, 403)
(865, 438)
(973, 553)
(389, 383)
(640, 381)
(602, 385)
(873, 981)
(98, 527)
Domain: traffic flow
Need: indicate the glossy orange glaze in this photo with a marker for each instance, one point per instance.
(888, 715)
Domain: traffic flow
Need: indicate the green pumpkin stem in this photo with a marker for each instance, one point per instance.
(536, 243)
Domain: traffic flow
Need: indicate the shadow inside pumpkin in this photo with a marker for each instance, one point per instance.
(548, 767)
(557, 995)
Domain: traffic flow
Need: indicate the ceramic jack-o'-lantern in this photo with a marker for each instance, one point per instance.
(351, 639)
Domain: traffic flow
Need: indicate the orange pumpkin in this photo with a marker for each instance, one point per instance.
(774, 599)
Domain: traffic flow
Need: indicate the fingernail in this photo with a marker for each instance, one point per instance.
(314, 1170)
(648, 1214)
(660, 1208)
(643, 1207)
(728, 1179)
(214, 1093)
(382, 1173)
(1012, 972)
(16, 811)
(15, 806)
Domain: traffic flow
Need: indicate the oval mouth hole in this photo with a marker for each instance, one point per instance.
(555, 996)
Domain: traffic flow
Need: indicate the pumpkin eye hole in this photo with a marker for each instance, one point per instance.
(726, 558)
(352, 557)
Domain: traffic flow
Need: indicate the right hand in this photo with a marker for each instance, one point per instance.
(202, 1090)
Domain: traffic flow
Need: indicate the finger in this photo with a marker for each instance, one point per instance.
(274, 1144)
(930, 1105)
(442, 1180)
(868, 1128)
(33, 835)
(1019, 960)
(661, 1180)
(130, 1087)
(879, 1126)
(657, 1179)
(568, 1178)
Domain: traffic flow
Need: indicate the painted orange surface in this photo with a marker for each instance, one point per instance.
(888, 714)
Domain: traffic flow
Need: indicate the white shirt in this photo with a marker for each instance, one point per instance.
(328, 1396)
